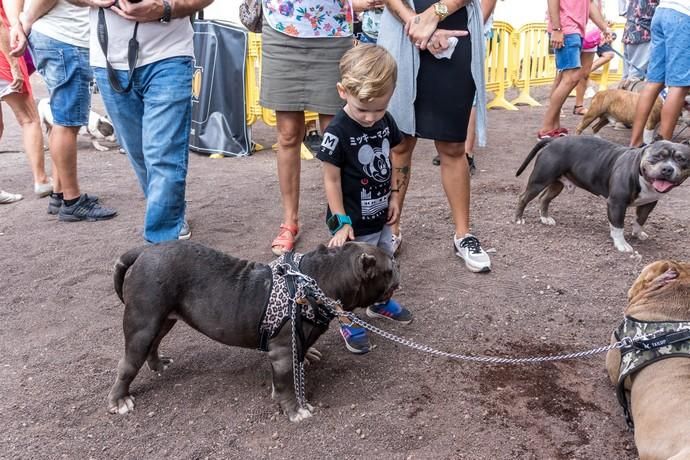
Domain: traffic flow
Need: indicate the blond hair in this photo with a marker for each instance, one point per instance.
(368, 71)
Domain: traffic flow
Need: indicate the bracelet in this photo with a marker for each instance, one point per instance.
(557, 29)
(393, 190)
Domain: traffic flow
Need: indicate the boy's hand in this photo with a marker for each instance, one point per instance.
(393, 211)
(342, 236)
(557, 39)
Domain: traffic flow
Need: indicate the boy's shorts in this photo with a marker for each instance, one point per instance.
(568, 57)
(669, 60)
(382, 239)
(66, 71)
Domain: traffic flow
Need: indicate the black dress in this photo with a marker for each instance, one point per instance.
(445, 87)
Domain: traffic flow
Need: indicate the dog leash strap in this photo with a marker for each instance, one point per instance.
(132, 53)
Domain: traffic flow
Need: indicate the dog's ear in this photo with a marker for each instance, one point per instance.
(367, 263)
(654, 276)
(105, 127)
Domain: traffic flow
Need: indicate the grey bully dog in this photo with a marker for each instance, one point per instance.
(626, 177)
(230, 300)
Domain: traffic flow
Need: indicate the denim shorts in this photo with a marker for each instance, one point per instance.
(66, 71)
(568, 57)
(669, 60)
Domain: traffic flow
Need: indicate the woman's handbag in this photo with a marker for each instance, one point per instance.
(250, 15)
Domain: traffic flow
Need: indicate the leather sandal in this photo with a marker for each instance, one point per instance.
(579, 110)
(286, 239)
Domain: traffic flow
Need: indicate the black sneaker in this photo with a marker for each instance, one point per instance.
(85, 209)
(313, 141)
(54, 203)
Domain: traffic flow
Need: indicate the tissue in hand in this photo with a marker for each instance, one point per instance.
(448, 52)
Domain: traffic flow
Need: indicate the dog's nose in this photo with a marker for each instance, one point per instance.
(667, 171)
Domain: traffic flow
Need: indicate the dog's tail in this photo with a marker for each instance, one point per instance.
(532, 154)
(122, 265)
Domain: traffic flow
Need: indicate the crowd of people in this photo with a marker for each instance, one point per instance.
(656, 40)
(405, 70)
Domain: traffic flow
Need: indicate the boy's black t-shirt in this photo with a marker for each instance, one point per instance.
(363, 156)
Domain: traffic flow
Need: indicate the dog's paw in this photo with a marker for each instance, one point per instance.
(641, 235)
(547, 220)
(159, 364)
(101, 148)
(623, 246)
(122, 406)
(313, 356)
(301, 414)
(520, 220)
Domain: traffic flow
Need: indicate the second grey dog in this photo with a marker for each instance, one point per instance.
(626, 177)
(226, 299)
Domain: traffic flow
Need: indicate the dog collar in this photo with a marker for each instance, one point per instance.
(651, 342)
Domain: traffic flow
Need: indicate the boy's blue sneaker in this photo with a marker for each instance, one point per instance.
(390, 310)
(356, 338)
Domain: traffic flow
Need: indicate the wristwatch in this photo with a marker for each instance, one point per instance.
(336, 222)
(441, 10)
(167, 12)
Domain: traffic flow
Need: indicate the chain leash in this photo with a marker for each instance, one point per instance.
(297, 364)
(305, 283)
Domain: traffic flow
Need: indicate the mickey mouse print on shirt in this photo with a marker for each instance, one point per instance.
(363, 156)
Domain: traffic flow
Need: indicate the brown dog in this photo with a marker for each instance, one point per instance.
(659, 394)
(619, 105)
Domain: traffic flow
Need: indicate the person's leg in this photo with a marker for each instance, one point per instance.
(25, 112)
(639, 56)
(290, 126)
(568, 62)
(677, 43)
(673, 105)
(455, 178)
(601, 60)
(166, 87)
(126, 111)
(586, 58)
(471, 131)
(401, 162)
(656, 76)
(63, 150)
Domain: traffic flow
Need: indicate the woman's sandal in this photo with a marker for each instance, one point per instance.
(285, 241)
(579, 110)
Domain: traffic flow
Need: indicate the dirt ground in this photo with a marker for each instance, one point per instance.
(552, 290)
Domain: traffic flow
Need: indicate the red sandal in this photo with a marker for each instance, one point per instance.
(286, 239)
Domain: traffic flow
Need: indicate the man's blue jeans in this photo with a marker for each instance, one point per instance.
(152, 123)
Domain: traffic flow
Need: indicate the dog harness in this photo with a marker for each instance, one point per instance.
(651, 342)
(282, 301)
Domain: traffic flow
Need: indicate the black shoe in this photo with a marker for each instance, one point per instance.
(436, 160)
(54, 203)
(85, 209)
(313, 141)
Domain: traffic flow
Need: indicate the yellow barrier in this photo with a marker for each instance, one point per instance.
(533, 63)
(498, 67)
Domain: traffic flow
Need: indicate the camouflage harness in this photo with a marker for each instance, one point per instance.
(649, 342)
(284, 297)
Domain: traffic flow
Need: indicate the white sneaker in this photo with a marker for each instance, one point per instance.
(590, 92)
(7, 197)
(469, 250)
(43, 190)
(185, 231)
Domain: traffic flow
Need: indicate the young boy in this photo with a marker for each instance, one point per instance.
(357, 168)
